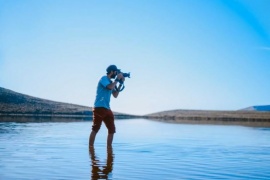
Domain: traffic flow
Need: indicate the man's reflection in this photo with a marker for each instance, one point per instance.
(101, 170)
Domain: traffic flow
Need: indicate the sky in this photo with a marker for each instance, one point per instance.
(182, 54)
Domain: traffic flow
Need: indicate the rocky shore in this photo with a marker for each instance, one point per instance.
(250, 118)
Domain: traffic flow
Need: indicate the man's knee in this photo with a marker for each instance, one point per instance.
(111, 129)
(95, 128)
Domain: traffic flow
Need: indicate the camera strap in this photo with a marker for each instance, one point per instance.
(122, 88)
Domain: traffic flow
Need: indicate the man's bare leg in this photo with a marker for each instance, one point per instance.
(92, 138)
(110, 140)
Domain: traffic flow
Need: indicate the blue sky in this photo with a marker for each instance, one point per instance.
(207, 55)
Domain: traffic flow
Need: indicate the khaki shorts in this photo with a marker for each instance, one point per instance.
(102, 114)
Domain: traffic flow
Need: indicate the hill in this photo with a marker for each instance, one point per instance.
(257, 108)
(253, 118)
(14, 103)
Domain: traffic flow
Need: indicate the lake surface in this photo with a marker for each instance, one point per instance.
(142, 149)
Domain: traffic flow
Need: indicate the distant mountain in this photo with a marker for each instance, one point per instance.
(257, 108)
(14, 103)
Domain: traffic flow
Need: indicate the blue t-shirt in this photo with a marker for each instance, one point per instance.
(103, 95)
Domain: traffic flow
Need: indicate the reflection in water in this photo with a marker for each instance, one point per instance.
(11, 128)
(101, 170)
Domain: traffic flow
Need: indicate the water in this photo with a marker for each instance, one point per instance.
(142, 149)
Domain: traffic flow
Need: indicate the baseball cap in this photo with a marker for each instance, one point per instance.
(112, 68)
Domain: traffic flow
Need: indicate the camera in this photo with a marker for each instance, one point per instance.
(126, 75)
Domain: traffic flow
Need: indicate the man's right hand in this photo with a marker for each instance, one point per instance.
(120, 76)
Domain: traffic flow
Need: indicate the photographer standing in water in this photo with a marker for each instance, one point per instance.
(101, 111)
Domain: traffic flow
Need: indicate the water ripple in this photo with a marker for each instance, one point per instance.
(60, 151)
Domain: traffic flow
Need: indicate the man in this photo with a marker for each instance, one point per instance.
(101, 110)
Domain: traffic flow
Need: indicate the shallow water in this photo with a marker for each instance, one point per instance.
(142, 149)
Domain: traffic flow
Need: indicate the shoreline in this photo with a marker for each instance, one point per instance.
(262, 124)
(246, 118)
(244, 121)
(27, 117)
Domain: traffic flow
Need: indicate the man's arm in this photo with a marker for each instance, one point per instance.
(113, 84)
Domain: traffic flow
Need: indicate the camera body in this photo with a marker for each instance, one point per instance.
(126, 75)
